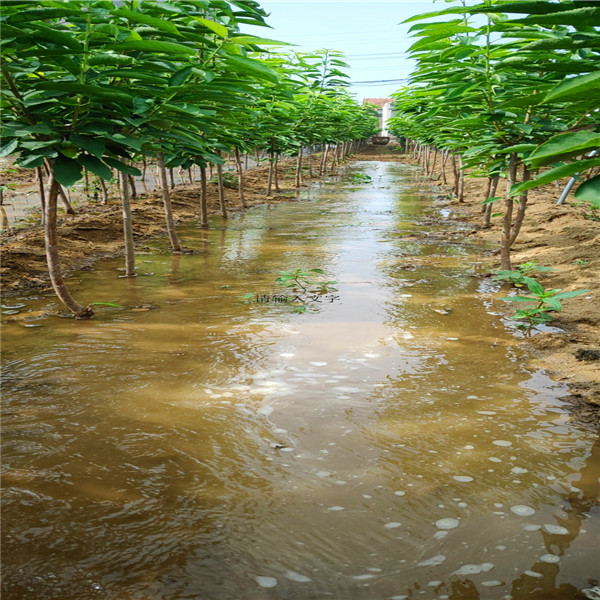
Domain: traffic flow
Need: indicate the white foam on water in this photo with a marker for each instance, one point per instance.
(438, 535)
(393, 525)
(447, 523)
(374, 570)
(336, 508)
(367, 496)
(266, 582)
(495, 459)
(361, 577)
(491, 583)
(532, 527)
(438, 559)
(293, 576)
(434, 583)
(522, 510)
(399, 493)
(474, 569)
(518, 470)
(505, 443)
(287, 354)
(534, 574)
(371, 355)
(317, 363)
(265, 411)
(469, 447)
(550, 558)
(403, 597)
(556, 529)
(486, 412)
(462, 478)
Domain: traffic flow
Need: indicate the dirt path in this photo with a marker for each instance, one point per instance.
(561, 237)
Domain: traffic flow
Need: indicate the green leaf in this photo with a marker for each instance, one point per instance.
(66, 170)
(217, 28)
(96, 166)
(589, 191)
(9, 148)
(57, 37)
(155, 46)
(42, 14)
(180, 76)
(572, 294)
(535, 287)
(580, 17)
(94, 146)
(556, 173)
(553, 303)
(249, 66)
(139, 17)
(563, 145)
(117, 164)
(574, 87)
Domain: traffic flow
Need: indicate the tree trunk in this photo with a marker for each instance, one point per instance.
(144, 168)
(240, 172)
(40, 180)
(298, 181)
(270, 177)
(221, 191)
(203, 199)
(521, 210)
(132, 186)
(170, 222)
(52, 256)
(104, 191)
(324, 159)
(310, 161)
(190, 175)
(276, 172)
(493, 186)
(508, 211)
(444, 161)
(461, 181)
(65, 200)
(433, 162)
(125, 182)
(172, 178)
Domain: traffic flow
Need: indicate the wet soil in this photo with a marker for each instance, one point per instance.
(566, 238)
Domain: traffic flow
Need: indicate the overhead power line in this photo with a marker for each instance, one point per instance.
(382, 81)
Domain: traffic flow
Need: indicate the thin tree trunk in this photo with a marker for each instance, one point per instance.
(52, 255)
(40, 180)
(276, 172)
(508, 211)
(104, 191)
(270, 176)
(221, 191)
(132, 186)
(487, 217)
(444, 161)
(172, 178)
(324, 159)
(144, 167)
(521, 210)
(190, 175)
(298, 181)
(461, 180)
(170, 222)
(433, 162)
(203, 199)
(125, 183)
(333, 158)
(310, 161)
(240, 172)
(65, 200)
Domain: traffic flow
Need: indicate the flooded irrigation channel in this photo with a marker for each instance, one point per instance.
(388, 443)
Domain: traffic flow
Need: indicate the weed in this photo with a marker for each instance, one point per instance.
(517, 276)
(545, 302)
(361, 178)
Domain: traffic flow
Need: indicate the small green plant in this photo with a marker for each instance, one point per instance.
(301, 280)
(361, 178)
(517, 276)
(579, 262)
(545, 302)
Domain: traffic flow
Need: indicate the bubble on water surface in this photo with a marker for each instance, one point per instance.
(266, 582)
(265, 411)
(518, 470)
(336, 508)
(495, 459)
(434, 583)
(462, 478)
(556, 529)
(474, 569)
(399, 493)
(550, 558)
(293, 576)
(438, 535)
(522, 510)
(374, 570)
(491, 583)
(287, 355)
(438, 559)
(371, 355)
(361, 577)
(317, 363)
(534, 574)
(393, 525)
(469, 447)
(532, 527)
(403, 597)
(505, 443)
(447, 523)
(486, 412)
(367, 496)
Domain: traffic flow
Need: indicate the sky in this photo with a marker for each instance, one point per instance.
(369, 33)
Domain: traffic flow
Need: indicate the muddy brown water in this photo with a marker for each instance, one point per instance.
(391, 443)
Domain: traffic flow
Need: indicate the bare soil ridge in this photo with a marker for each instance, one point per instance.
(561, 237)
